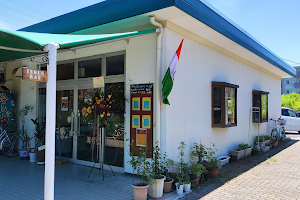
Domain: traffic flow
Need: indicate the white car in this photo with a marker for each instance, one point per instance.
(292, 120)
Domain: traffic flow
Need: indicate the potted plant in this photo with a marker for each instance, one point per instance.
(197, 170)
(248, 150)
(240, 151)
(198, 150)
(186, 184)
(141, 166)
(23, 135)
(39, 135)
(213, 166)
(255, 150)
(156, 181)
(167, 165)
(181, 169)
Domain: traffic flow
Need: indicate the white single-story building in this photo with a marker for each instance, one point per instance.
(222, 73)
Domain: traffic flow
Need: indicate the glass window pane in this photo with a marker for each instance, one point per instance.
(115, 65)
(89, 68)
(264, 107)
(64, 71)
(217, 105)
(230, 111)
(256, 100)
(114, 136)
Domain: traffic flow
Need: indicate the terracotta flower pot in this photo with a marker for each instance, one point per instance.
(197, 181)
(140, 191)
(213, 172)
(168, 186)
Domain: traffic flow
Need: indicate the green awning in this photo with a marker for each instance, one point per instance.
(19, 44)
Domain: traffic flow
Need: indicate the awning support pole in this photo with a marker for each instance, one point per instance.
(51, 48)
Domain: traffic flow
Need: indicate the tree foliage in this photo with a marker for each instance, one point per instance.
(291, 101)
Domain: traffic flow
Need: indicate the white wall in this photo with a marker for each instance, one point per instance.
(188, 118)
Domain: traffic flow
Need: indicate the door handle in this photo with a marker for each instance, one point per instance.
(78, 116)
(72, 123)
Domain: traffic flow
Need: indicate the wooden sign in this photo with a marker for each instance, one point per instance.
(34, 75)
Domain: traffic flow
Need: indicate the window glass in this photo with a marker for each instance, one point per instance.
(264, 107)
(217, 105)
(89, 68)
(256, 100)
(284, 112)
(229, 106)
(115, 65)
(287, 82)
(292, 114)
(64, 71)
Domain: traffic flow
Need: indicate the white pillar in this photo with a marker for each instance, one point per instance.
(51, 48)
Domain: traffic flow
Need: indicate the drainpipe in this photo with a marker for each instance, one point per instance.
(157, 90)
(51, 48)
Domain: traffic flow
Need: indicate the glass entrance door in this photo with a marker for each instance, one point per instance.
(64, 123)
(89, 142)
(88, 139)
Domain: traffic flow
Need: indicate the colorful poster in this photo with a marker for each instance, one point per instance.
(135, 121)
(136, 103)
(141, 137)
(6, 108)
(64, 104)
(146, 121)
(146, 103)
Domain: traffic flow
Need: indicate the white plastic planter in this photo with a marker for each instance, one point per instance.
(265, 148)
(239, 154)
(156, 188)
(223, 160)
(32, 157)
(179, 189)
(187, 187)
(248, 152)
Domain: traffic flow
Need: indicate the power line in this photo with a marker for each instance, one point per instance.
(10, 23)
(51, 5)
(15, 18)
(291, 61)
(21, 12)
(29, 8)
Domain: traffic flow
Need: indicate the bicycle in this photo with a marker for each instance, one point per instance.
(9, 144)
(278, 131)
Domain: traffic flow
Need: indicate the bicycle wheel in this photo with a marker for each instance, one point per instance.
(283, 136)
(274, 134)
(10, 146)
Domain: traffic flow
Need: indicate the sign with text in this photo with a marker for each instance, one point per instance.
(141, 137)
(98, 82)
(34, 75)
(141, 89)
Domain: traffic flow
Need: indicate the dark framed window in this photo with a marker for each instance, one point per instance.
(224, 104)
(260, 100)
(115, 65)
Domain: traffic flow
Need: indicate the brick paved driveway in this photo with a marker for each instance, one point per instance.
(272, 175)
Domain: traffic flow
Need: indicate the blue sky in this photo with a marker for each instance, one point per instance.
(274, 23)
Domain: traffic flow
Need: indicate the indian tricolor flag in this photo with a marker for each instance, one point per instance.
(169, 76)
